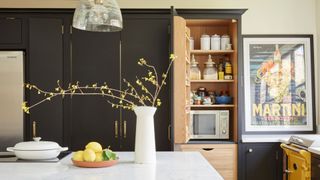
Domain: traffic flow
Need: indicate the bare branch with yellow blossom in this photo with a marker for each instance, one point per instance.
(126, 99)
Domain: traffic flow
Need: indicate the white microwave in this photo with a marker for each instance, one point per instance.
(209, 124)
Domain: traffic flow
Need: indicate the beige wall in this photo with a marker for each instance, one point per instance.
(262, 17)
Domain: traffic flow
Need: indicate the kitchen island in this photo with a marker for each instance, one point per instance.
(169, 166)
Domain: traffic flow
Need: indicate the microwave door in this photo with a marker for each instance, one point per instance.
(205, 126)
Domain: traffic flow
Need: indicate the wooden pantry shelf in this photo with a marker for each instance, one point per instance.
(214, 105)
(197, 51)
(211, 81)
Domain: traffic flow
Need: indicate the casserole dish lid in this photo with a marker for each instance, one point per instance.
(36, 145)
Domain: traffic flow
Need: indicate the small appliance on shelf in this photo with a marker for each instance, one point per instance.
(209, 124)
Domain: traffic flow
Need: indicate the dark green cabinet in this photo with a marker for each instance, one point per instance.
(148, 38)
(44, 66)
(95, 59)
(315, 167)
(261, 161)
(56, 51)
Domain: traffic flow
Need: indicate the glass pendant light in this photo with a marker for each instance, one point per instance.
(98, 16)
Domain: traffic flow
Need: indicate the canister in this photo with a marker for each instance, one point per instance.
(215, 42)
(225, 39)
(205, 42)
(191, 43)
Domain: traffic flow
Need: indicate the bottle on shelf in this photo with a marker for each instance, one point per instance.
(210, 71)
(195, 73)
(228, 70)
(221, 72)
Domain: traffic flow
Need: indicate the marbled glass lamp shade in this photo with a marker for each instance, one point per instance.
(98, 16)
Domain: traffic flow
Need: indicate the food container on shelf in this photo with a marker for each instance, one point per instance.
(225, 40)
(223, 99)
(191, 43)
(195, 73)
(215, 42)
(210, 71)
(205, 42)
(37, 150)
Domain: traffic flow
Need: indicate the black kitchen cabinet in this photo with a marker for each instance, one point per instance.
(13, 30)
(261, 161)
(95, 59)
(146, 37)
(44, 66)
(315, 167)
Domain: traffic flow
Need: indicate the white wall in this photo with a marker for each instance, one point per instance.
(262, 17)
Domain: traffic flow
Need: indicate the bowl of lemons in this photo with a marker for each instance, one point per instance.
(93, 156)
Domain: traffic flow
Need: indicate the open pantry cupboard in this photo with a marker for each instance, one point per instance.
(185, 27)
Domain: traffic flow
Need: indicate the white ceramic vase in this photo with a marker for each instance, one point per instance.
(145, 147)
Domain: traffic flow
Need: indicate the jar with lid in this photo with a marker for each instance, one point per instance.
(212, 95)
(228, 70)
(215, 42)
(191, 43)
(221, 71)
(205, 42)
(210, 72)
(195, 73)
(202, 92)
(225, 39)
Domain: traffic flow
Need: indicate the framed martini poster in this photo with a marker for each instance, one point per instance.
(278, 82)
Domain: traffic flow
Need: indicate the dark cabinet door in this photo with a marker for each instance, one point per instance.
(44, 66)
(261, 161)
(145, 37)
(95, 59)
(13, 31)
(315, 168)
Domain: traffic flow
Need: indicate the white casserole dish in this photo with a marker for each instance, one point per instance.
(37, 150)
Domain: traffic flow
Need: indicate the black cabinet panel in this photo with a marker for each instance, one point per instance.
(11, 30)
(315, 168)
(261, 161)
(95, 59)
(148, 38)
(45, 62)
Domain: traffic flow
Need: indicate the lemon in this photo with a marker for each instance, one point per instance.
(96, 147)
(89, 155)
(78, 156)
(99, 156)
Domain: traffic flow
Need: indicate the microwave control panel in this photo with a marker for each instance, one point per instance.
(224, 124)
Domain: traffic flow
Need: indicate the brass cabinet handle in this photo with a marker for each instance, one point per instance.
(125, 129)
(169, 132)
(34, 124)
(116, 129)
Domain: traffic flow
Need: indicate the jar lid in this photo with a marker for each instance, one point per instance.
(36, 145)
(193, 63)
(205, 36)
(209, 62)
(201, 88)
(225, 36)
(215, 36)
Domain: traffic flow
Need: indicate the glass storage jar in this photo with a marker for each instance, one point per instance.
(195, 73)
(210, 72)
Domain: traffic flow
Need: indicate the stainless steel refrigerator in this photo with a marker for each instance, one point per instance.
(11, 98)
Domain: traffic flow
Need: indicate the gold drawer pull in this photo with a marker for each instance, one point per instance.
(34, 127)
(125, 129)
(116, 129)
(208, 149)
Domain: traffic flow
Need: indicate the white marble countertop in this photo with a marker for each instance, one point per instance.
(169, 166)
